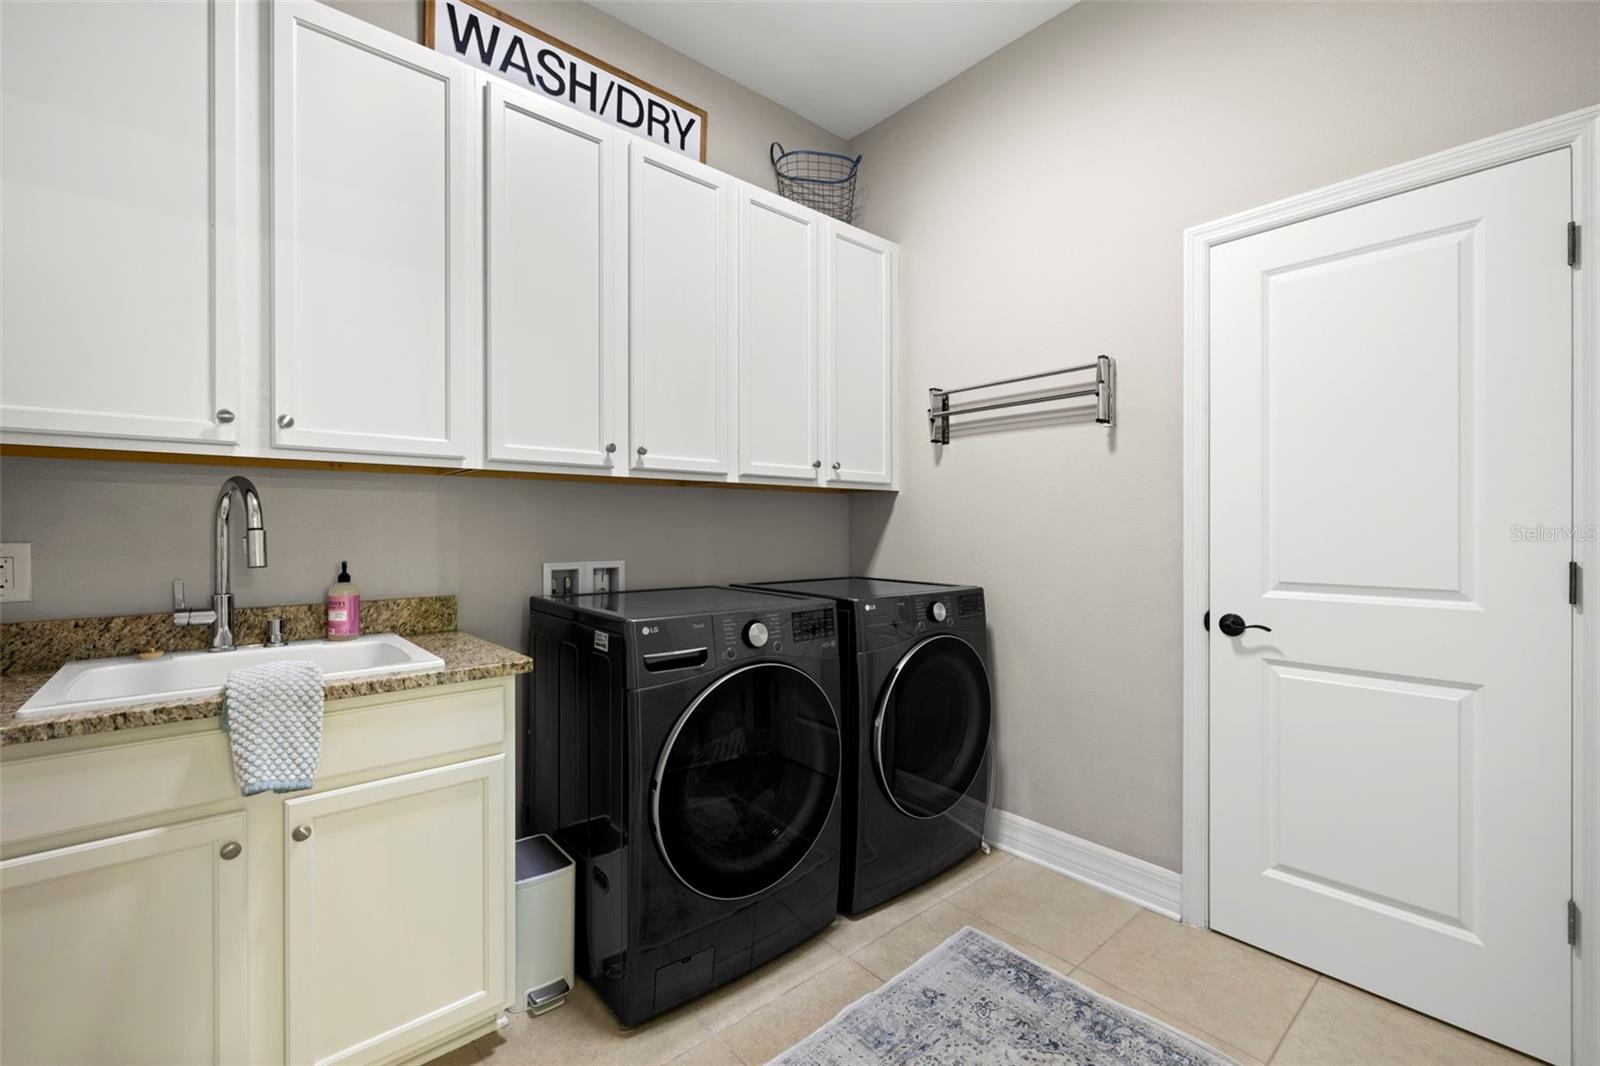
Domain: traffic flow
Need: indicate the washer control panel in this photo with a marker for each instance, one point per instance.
(780, 634)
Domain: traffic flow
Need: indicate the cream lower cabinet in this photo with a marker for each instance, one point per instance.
(150, 914)
(127, 949)
(394, 910)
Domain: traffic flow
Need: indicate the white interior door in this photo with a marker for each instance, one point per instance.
(128, 950)
(679, 330)
(779, 246)
(374, 278)
(395, 910)
(1391, 763)
(860, 294)
(117, 265)
(557, 284)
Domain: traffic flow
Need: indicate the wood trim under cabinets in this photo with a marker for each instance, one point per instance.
(40, 451)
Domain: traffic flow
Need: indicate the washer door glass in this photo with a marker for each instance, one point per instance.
(746, 780)
(932, 728)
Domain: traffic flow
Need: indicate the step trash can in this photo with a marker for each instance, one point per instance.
(545, 918)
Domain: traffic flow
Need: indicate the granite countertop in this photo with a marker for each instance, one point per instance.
(466, 658)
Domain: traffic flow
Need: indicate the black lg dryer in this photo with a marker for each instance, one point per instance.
(917, 715)
(698, 766)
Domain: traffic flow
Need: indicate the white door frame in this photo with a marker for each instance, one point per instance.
(1580, 131)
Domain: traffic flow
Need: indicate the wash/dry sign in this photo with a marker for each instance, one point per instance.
(494, 41)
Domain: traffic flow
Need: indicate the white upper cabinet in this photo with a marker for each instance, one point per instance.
(376, 285)
(557, 285)
(860, 345)
(780, 245)
(680, 325)
(117, 199)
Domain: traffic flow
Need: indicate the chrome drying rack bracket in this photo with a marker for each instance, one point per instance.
(1104, 391)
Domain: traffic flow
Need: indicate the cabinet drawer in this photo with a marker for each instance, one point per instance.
(127, 780)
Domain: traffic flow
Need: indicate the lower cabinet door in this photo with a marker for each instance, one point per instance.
(395, 911)
(127, 950)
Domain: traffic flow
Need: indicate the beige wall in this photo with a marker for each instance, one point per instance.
(740, 125)
(109, 538)
(1040, 199)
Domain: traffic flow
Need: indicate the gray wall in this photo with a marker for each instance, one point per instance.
(1040, 200)
(109, 537)
(740, 124)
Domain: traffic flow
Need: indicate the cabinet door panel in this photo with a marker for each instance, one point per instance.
(127, 950)
(860, 306)
(779, 245)
(556, 284)
(679, 326)
(373, 318)
(395, 910)
(116, 289)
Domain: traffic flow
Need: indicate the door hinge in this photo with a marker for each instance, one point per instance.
(1574, 239)
(1574, 582)
(1574, 922)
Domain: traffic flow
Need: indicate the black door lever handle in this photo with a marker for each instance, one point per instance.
(1232, 625)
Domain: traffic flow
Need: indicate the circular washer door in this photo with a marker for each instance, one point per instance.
(932, 728)
(746, 780)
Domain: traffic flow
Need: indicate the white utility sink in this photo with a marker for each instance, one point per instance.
(93, 683)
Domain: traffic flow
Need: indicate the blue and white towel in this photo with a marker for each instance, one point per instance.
(272, 717)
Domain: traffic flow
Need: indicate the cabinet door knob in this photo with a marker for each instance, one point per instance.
(224, 415)
(301, 832)
(816, 464)
(611, 447)
(642, 450)
(285, 421)
(836, 465)
(231, 849)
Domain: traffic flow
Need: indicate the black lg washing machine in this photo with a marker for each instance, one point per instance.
(698, 767)
(917, 715)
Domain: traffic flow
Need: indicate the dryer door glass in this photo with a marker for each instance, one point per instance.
(932, 728)
(746, 781)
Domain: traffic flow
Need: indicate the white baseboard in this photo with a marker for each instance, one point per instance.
(1153, 887)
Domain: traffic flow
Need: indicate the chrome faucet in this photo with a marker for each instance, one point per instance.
(220, 617)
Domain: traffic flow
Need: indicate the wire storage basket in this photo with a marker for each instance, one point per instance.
(823, 181)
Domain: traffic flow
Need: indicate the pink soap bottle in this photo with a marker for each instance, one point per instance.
(344, 606)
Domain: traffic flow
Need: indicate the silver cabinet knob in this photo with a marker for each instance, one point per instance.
(231, 850)
(301, 832)
(611, 447)
(816, 464)
(285, 421)
(836, 466)
(642, 450)
(224, 415)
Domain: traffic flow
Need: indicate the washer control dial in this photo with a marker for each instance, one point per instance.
(755, 634)
(937, 611)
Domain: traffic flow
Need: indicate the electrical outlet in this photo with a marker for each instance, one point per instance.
(16, 573)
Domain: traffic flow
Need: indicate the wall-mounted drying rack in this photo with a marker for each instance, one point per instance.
(1104, 391)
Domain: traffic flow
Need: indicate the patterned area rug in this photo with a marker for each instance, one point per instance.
(975, 1000)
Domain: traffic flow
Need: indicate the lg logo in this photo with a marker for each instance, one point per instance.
(648, 630)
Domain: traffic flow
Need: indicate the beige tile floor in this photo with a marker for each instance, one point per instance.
(1252, 1006)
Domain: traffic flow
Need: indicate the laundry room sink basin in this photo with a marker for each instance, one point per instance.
(98, 683)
